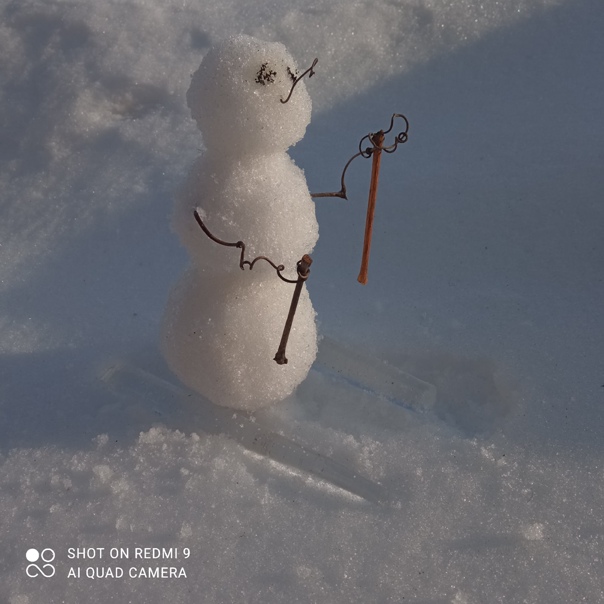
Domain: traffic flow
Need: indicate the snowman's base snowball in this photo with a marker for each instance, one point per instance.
(220, 336)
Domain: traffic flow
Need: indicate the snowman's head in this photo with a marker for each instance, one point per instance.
(235, 98)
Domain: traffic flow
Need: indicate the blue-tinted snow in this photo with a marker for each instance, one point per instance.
(485, 282)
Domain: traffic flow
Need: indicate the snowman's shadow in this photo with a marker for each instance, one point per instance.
(146, 393)
(54, 398)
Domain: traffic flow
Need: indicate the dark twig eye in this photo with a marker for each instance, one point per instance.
(265, 74)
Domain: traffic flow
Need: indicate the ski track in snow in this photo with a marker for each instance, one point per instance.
(484, 283)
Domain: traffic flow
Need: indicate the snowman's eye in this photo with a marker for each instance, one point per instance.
(265, 74)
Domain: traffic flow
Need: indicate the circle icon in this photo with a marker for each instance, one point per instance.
(47, 554)
(32, 555)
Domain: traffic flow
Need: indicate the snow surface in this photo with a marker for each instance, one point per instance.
(485, 281)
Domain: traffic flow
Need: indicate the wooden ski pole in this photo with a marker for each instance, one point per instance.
(377, 140)
(303, 272)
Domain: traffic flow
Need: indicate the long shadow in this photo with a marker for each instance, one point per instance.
(501, 132)
(487, 240)
(511, 122)
(56, 398)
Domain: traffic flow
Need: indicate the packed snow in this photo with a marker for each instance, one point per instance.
(221, 328)
(446, 446)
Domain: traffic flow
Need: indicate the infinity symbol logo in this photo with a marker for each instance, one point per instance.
(46, 570)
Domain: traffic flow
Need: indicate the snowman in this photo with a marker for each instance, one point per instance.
(222, 325)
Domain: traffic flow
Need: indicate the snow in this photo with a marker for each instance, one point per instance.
(222, 328)
(220, 335)
(485, 283)
(237, 99)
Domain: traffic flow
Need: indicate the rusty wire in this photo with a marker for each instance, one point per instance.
(240, 245)
(400, 138)
(302, 269)
(310, 71)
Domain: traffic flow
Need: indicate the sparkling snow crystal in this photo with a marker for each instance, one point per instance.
(222, 325)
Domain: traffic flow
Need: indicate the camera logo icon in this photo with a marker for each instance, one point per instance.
(45, 569)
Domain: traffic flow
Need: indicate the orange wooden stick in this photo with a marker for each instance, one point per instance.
(377, 140)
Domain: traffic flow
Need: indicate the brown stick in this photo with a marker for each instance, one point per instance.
(303, 272)
(377, 140)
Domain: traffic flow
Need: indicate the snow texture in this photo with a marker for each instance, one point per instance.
(236, 99)
(485, 284)
(220, 336)
(222, 325)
